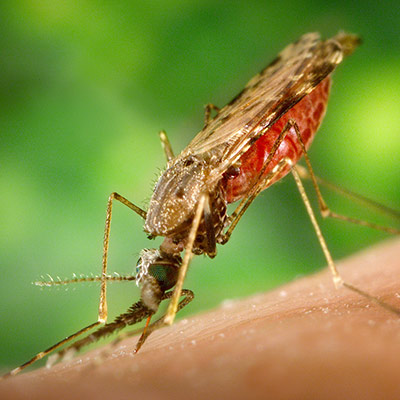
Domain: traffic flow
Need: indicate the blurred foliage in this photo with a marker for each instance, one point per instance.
(85, 87)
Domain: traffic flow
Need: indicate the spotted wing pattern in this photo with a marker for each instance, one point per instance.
(297, 70)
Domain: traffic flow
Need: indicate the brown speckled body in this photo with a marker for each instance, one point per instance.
(174, 199)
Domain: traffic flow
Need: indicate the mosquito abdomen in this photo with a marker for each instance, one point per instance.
(308, 113)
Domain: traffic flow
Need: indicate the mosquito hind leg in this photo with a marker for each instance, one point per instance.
(304, 174)
(324, 209)
(263, 182)
(337, 279)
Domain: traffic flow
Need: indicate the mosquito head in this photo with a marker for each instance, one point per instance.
(156, 272)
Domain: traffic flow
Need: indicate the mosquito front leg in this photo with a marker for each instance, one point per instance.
(166, 145)
(324, 209)
(103, 286)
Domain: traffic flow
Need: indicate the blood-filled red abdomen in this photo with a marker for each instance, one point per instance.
(308, 113)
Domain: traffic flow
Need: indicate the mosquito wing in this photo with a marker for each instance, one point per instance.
(297, 70)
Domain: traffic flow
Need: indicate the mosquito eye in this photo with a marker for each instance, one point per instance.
(166, 275)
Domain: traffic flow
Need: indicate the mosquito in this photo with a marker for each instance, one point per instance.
(252, 142)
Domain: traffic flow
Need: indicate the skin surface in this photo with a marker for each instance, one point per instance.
(303, 340)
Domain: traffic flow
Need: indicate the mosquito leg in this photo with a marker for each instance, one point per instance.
(103, 286)
(126, 202)
(173, 305)
(207, 112)
(44, 353)
(305, 174)
(166, 145)
(324, 209)
(257, 187)
(337, 279)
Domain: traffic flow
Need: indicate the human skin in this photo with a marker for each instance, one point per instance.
(304, 340)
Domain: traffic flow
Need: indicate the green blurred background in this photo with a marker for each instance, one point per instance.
(85, 87)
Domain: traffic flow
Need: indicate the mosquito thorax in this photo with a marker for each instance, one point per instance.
(175, 196)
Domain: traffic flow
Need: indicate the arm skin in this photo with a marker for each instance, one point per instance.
(304, 340)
